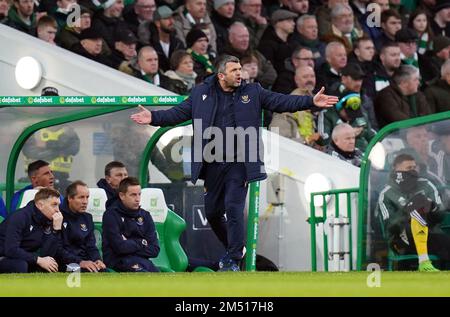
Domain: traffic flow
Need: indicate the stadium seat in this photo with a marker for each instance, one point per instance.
(96, 207)
(169, 226)
(27, 196)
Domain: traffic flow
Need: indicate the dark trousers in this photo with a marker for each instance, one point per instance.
(134, 263)
(8, 265)
(225, 193)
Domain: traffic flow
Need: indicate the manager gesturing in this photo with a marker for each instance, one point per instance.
(226, 114)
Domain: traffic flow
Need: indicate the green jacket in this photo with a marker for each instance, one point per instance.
(17, 23)
(330, 118)
(392, 201)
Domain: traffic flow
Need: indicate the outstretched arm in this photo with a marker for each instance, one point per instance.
(173, 116)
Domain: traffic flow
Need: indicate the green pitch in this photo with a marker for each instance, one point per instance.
(227, 284)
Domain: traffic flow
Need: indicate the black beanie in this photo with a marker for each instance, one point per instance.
(193, 36)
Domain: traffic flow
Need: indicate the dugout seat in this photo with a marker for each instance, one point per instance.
(96, 207)
(169, 227)
(27, 196)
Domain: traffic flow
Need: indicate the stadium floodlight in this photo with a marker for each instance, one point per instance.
(314, 183)
(28, 72)
(377, 156)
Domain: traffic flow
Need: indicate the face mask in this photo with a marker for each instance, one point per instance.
(407, 181)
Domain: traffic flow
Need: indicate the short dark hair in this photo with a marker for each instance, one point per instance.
(71, 190)
(46, 193)
(385, 15)
(111, 165)
(402, 158)
(33, 167)
(127, 182)
(388, 45)
(221, 64)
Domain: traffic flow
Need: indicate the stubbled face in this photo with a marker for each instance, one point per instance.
(390, 58)
(305, 78)
(24, 7)
(232, 76)
(132, 198)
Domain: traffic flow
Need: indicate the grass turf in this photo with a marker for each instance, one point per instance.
(228, 284)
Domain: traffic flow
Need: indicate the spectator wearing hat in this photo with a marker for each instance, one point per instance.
(163, 38)
(69, 35)
(407, 41)
(273, 44)
(239, 46)
(197, 44)
(306, 34)
(108, 20)
(139, 13)
(343, 28)
(250, 14)
(438, 93)
(182, 69)
(46, 29)
(222, 18)
(440, 24)
(349, 109)
(21, 16)
(193, 14)
(401, 100)
(147, 68)
(91, 45)
(436, 58)
(124, 48)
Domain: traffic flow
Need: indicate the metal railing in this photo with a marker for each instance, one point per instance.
(332, 222)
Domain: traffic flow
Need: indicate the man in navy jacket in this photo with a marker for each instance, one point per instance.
(115, 171)
(30, 239)
(78, 230)
(129, 234)
(227, 162)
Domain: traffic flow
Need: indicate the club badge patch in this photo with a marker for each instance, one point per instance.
(83, 227)
(245, 99)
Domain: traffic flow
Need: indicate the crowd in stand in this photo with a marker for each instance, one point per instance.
(387, 60)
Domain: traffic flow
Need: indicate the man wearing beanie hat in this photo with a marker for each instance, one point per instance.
(223, 102)
(108, 20)
(441, 21)
(274, 45)
(194, 15)
(91, 45)
(222, 18)
(197, 44)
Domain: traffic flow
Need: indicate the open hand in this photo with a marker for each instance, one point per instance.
(324, 101)
(142, 117)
